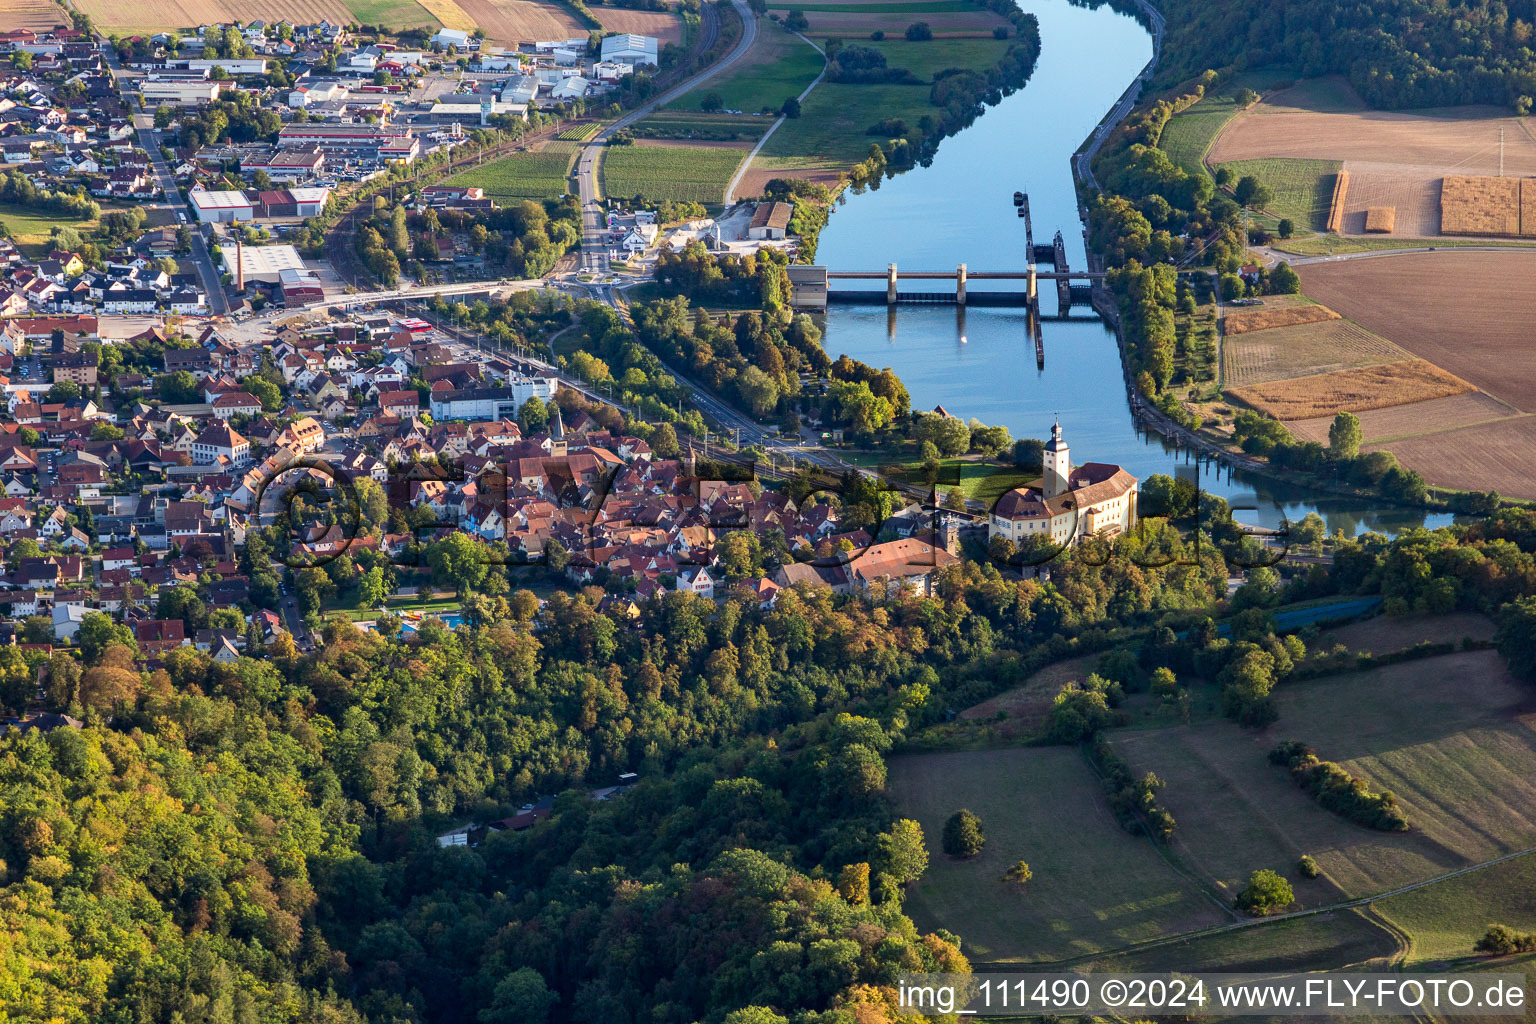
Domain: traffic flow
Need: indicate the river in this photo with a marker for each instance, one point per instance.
(980, 361)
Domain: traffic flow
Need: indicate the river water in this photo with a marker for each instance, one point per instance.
(981, 361)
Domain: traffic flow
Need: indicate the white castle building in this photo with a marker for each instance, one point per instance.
(1072, 502)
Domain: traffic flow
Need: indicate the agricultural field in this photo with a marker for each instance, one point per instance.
(110, 15)
(693, 126)
(1283, 353)
(542, 174)
(764, 169)
(1498, 455)
(779, 65)
(511, 21)
(1095, 885)
(1277, 311)
(949, 19)
(1403, 421)
(679, 173)
(33, 14)
(1451, 736)
(1466, 312)
(1303, 189)
(580, 132)
(1394, 159)
(666, 26)
(1365, 387)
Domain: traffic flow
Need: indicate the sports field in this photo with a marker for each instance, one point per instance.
(1453, 737)
(1095, 885)
(536, 175)
(680, 173)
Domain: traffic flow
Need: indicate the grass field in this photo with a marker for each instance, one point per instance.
(1282, 353)
(30, 229)
(1302, 188)
(915, 7)
(540, 175)
(778, 66)
(1095, 886)
(1190, 133)
(1379, 386)
(678, 173)
(1308, 943)
(1444, 920)
(1326, 245)
(1451, 736)
(393, 14)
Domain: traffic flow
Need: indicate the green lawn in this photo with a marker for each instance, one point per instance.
(1303, 188)
(778, 66)
(392, 14)
(679, 173)
(541, 175)
(927, 59)
(1095, 885)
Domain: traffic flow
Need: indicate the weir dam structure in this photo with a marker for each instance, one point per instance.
(814, 287)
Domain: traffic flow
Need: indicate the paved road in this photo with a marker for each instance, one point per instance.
(594, 254)
(1127, 101)
(212, 285)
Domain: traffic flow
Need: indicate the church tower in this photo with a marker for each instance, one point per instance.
(1058, 464)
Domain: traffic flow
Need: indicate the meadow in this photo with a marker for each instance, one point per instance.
(1095, 886)
(537, 175)
(1445, 734)
(679, 173)
(1303, 189)
(1445, 920)
(779, 65)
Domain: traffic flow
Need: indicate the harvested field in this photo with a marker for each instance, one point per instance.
(1454, 737)
(1276, 316)
(1303, 351)
(511, 21)
(1468, 312)
(664, 25)
(1380, 219)
(450, 14)
(173, 14)
(1479, 205)
(1503, 459)
(1095, 885)
(765, 169)
(1354, 390)
(1336, 206)
(1416, 418)
(1392, 158)
(33, 14)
